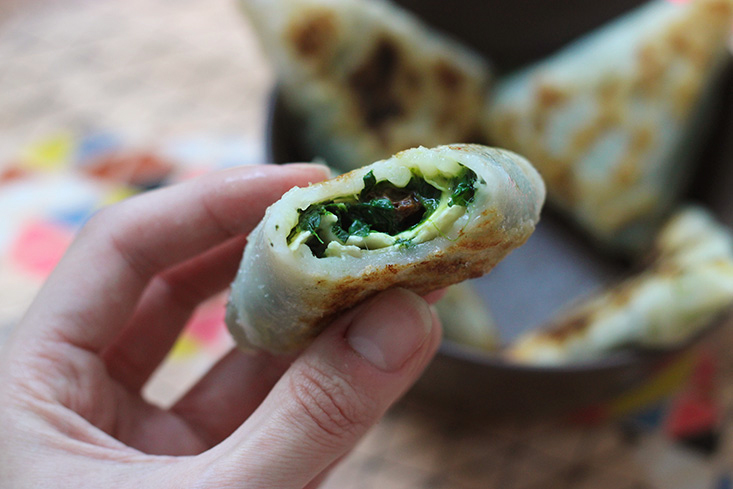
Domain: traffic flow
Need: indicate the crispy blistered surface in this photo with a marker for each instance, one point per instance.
(312, 36)
(688, 282)
(669, 69)
(369, 76)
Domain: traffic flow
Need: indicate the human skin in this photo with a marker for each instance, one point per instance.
(71, 410)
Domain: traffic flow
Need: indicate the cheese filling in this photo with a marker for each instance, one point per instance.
(384, 214)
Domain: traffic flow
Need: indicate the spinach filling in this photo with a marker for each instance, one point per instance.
(383, 208)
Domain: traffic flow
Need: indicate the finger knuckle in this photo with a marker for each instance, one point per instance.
(104, 223)
(117, 228)
(100, 221)
(120, 217)
(331, 403)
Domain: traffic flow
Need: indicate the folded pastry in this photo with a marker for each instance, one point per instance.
(366, 79)
(422, 219)
(688, 285)
(612, 120)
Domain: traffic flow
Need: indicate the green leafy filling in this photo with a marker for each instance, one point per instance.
(465, 190)
(381, 207)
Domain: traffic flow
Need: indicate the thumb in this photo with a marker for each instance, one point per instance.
(335, 391)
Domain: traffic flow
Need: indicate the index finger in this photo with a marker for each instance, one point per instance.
(91, 294)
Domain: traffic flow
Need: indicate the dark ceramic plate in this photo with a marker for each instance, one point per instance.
(556, 265)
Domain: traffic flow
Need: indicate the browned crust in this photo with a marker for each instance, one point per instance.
(688, 45)
(388, 88)
(570, 328)
(374, 85)
(312, 35)
(468, 257)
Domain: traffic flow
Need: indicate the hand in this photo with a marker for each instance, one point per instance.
(71, 413)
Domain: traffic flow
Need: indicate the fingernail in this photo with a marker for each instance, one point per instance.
(390, 328)
(312, 166)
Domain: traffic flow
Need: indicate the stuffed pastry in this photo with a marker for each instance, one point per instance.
(466, 319)
(366, 79)
(422, 219)
(687, 286)
(612, 120)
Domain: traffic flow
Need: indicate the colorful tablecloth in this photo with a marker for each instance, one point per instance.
(53, 186)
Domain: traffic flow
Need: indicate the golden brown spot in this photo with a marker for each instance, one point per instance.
(610, 90)
(715, 15)
(667, 269)
(686, 95)
(373, 85)
(313, 35)
(622, 295)
(573, 326)
(651, 68)
(449, 78)
(628, 171)
(689, 42)
(412, 79)
(585, 138)
(456, 101)
(641, 140)
(679, 42)
(549, 96)
(609, 117)
(443, 267)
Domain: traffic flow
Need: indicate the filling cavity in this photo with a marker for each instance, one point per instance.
(383, 214)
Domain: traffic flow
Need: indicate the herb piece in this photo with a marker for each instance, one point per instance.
(342, 235)
(378, 214)
(403, 242)
(311, 221)
(465, 190)
(369, 182)
(359, 228)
